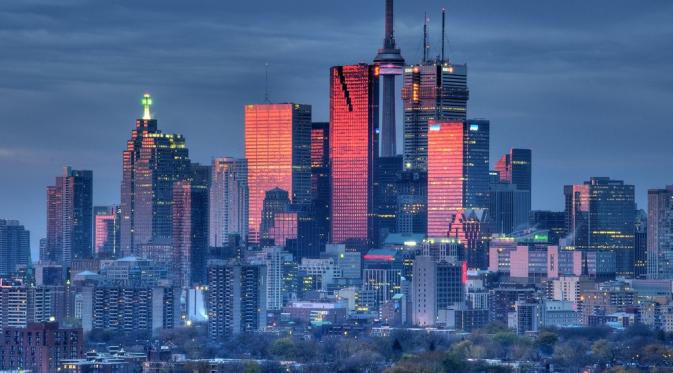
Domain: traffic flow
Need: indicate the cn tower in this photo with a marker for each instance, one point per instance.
(390, 63)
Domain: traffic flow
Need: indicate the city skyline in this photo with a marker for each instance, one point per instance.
(89, 103)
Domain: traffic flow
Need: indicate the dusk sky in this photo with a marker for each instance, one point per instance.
(587, 85)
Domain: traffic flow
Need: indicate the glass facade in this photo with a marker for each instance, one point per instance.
(660, 233)
(601, 216)
(152, 162)
(278, 150)
(433, 91)
(354, 94)
(228, 200)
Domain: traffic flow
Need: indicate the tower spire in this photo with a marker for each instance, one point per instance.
(147, 104)
(426, 47)
(443, 31)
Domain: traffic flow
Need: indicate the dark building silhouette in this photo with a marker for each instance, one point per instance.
(70, 217)
(14, 246)
(552, 221)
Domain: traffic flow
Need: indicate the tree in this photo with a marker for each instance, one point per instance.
(603, 351)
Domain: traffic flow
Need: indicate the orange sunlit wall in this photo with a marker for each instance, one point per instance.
(353, 149)
(277, 137)
(445, 175)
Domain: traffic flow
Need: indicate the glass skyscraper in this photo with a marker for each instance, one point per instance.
(660, 233)
(431, 91)
(354, 111)
(152, 162)
(228, 200)
(70, 217)
(278, 151)
(600, 216)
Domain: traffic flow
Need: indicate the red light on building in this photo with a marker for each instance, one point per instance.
(277, 147)
(353, 149)
(445, 175)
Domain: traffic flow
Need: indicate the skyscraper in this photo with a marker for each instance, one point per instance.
(554, 222)
(601, 216)
(515, 168)
(386, 176)
(432, 91)
(458, 177)
(152, 162)
(354, 109)
(190, 229)
(228, 200)
(278, 150)
(660, 233)
(14, 246)
(107, 220)
(276, 201)
(390, 63)
(70, 217)
(320, 181)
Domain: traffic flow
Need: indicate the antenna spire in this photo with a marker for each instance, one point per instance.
(147, 104)
(266, 83)
(443, 31)
(426, 47)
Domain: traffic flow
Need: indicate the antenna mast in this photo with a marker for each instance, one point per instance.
(266, 83)
(443, 31)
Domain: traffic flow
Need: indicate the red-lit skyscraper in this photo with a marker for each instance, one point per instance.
(278, 150)
(354, 95)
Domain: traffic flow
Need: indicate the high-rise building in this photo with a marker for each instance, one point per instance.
(278, 150)
(600, 215)
(660, 233)
(640, 245)
(457, 166)
(386, 180)
(412, 198)
(228, 200)
(437, 286)
(354, 110)
(554, 222)
(432, 91)
(320, 180)
(236, 298)
(152, 162)
(14, 246)
(276, 201)
(390, 63)
(509, 208)
(516, 168)
(190, 230)
(70, 217)
(107, 224)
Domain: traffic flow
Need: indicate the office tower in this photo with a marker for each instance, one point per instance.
(69, 217)
(554, 222)
(280, 276)
(107, 224)
(516, 168)
(152, 162)
(386, 175)
(190, 231)
(640, 245)
(390, 63)
(432, 91)
(236, 298)
(278, 150)
(412, 195)
(320, 180)
(39, 347)
(660, 233)
(600, 215)
(458, 176)
(14, 246)
(276, 201)
(509, 208)
(354, 110)
(228, 200)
